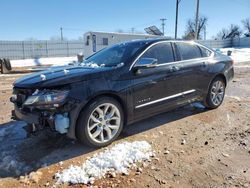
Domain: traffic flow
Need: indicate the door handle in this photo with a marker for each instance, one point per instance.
(203, 64)
(174, 68)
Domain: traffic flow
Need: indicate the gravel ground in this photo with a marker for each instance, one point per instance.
(194, 147)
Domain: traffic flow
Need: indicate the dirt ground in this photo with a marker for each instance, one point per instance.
(194, 147)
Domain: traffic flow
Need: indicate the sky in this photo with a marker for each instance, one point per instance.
(42, 19)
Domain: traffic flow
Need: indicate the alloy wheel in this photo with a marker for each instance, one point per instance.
(217, 92)
(104, 123)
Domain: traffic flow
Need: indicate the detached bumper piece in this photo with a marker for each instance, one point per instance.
(34, 121)
(30, 118)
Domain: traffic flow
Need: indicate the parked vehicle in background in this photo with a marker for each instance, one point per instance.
(120, 85)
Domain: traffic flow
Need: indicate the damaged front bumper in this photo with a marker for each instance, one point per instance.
(38, 121)
(37, 118)
(30, 118)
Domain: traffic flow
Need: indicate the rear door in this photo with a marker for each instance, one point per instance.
(194, 63)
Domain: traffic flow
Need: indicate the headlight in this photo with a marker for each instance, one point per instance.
(46, 97)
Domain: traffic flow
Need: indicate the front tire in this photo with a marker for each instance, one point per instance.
(100, 123)
(216, 93)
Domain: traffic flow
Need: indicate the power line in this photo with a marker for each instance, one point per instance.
(75, 29)
(131, 29)
(146, 24)
(243, 3)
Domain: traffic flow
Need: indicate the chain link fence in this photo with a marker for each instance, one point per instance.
(236, 42)
(37, 49)
(217, 43)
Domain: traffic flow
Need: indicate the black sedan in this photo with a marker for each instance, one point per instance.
(93, 100)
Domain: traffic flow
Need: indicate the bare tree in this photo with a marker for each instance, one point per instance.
(190, 28)
(232, 32)
(222, 34)
(246, 25)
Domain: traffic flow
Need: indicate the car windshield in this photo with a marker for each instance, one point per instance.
(116, 55)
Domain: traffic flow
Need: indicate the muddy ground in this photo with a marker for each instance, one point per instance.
(194, 147)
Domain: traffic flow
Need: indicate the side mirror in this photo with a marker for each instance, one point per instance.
(144, 63)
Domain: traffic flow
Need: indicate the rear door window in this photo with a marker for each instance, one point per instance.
(162, 52)
(205, 52)
(188, 51)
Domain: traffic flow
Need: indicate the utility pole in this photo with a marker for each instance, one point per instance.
(61, 29)
(176, 17)
(132, 30)
(163, 24)
(197, 20)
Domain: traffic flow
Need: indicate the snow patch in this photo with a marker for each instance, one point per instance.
(117, 159)
(2, 134)
(55, 61)
(10, 136)
(239, 55)
(4, 131)
(92, 65)
(9, 164)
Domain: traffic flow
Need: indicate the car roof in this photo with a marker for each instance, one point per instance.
(150, 41)
(154, 40)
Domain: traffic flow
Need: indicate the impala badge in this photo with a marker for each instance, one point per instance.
(144, 100)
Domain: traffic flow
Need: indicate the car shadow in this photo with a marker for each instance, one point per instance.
(21, 155)
(161, 119)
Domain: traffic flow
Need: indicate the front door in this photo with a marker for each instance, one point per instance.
(157, 88)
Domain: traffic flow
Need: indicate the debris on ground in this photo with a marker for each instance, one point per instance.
(166, 152)
(225, 154)
(33, 177)
(183, 142)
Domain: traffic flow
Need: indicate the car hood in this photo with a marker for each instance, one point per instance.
(58, 76)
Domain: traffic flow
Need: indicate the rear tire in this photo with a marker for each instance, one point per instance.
(100, 123)
(216, 93)
(1, 65)
(5, 66)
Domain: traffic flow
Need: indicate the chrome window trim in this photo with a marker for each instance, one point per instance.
(174, 62)
(166, 98)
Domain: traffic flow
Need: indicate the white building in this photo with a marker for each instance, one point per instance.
(95, 41)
